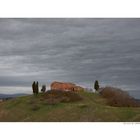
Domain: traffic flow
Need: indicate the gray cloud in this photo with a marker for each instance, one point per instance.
(74, 50)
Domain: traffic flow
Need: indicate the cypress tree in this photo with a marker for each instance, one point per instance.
(37, 88)
(96, 85)
(33, 87)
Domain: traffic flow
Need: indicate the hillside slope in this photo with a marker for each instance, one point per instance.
(92, 108)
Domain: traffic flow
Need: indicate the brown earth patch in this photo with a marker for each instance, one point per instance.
(57, 96)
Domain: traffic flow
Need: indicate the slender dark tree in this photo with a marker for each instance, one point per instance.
(33, 87)
(96, 85)
(37, 88)
(43, 88)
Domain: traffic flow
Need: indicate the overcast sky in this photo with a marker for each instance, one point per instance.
(71, 50)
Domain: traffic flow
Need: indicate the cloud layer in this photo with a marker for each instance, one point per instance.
(74, 50)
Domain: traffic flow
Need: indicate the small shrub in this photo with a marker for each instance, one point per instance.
(43, 88)
(118, 98)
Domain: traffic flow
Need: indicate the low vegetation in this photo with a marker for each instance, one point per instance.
(61, 96)
(118, 98)
(56, 106)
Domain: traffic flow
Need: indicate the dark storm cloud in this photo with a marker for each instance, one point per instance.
(74, 50)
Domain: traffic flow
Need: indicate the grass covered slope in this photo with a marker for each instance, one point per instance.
(92, 107)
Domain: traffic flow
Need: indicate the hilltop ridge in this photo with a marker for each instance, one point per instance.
(92, 108)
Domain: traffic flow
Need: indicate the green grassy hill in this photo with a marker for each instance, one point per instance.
(91, 108)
